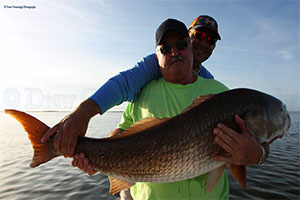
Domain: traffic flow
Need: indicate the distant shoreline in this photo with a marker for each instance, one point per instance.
(61, 111)
(112, 111)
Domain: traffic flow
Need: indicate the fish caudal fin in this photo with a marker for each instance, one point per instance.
(116, 185)
(239, 174)
(35, 129)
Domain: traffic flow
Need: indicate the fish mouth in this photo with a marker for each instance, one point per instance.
(289, 122)
(284, 130)
(287, 125)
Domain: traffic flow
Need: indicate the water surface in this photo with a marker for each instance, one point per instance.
(277, 178)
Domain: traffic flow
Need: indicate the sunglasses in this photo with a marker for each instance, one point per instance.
(180, 45)
(202, 35)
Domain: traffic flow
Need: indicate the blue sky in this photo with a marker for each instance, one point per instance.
(55, 55)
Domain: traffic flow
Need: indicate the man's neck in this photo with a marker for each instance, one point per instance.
(190, 80)
(197, 67)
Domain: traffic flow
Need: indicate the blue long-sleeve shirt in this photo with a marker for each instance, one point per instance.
(127, 84)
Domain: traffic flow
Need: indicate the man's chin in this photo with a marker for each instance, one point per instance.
(200, 59)
(197, 61)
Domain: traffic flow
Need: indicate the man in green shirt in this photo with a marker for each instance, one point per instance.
(167, 97)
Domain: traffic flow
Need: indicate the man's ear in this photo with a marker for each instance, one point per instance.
(191, 31)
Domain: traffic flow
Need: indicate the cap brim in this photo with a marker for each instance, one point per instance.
(172, 29)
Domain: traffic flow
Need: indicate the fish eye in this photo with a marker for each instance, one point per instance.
(283, 108)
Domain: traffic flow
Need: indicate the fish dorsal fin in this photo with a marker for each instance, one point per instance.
(140, 126)
(116, 185)
(198, 100)
(212, 178)
(239, 174)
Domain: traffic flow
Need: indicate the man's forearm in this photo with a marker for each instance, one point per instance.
(88, 109)
(127, 84)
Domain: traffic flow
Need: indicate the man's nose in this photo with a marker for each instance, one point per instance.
(174, 51)
(204, 42)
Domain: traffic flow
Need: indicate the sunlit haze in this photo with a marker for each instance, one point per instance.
(54, 54)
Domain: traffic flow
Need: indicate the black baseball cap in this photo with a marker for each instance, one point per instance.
(170, 24)
(208, 22)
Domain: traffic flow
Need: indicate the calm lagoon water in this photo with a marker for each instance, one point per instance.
(277, 178)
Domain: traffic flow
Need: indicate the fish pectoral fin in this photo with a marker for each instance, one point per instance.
(212, 178)
(116, 185)
(198, 100)
(239, 174)
(140, 126)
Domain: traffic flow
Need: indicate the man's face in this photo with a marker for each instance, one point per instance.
(202, 47)
(176, 62)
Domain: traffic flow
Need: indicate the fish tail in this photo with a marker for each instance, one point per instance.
(35, 129)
